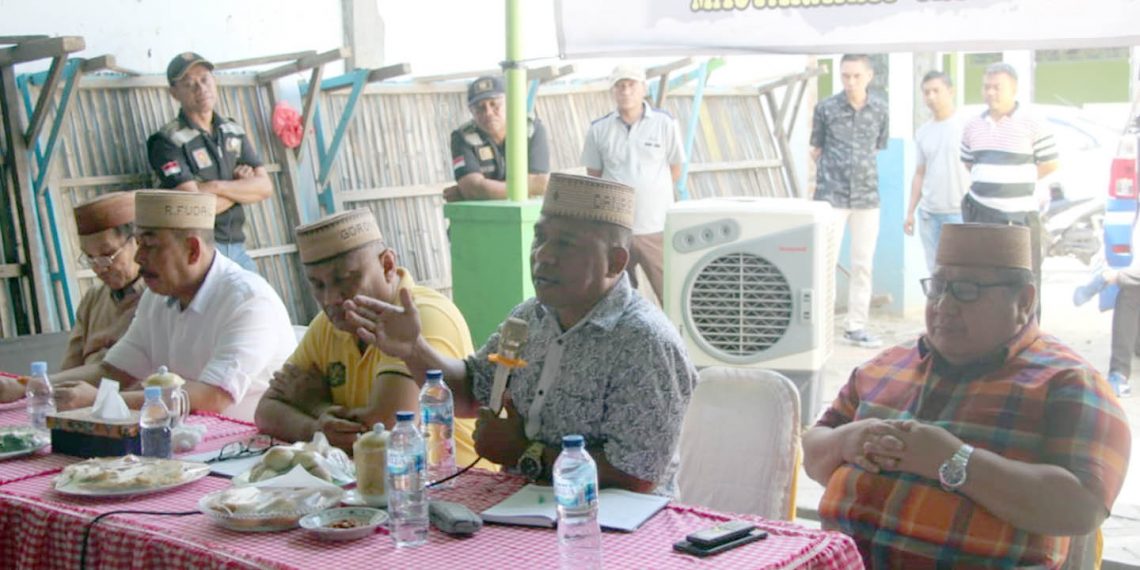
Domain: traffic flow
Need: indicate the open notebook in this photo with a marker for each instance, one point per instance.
(533, 505)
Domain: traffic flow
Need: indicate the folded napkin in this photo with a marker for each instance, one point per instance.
(109, 404)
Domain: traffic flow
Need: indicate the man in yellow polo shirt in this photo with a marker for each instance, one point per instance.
(333, 382)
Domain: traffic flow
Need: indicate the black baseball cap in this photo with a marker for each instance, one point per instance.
(182, 63)
(484, 88)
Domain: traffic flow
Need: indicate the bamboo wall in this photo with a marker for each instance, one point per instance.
(103, 149)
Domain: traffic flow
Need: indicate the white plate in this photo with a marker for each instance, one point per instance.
(191, 472)
(42, 442)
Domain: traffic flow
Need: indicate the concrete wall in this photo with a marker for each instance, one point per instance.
(144, 34)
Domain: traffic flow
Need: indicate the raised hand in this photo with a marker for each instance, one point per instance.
(392, 329)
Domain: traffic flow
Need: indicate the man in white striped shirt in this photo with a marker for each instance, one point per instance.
(1007, 150)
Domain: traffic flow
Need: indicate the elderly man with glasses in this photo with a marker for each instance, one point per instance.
(986, 443)
(106, 227)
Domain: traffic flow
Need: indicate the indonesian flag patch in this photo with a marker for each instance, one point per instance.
(458, 162)
(171, 168)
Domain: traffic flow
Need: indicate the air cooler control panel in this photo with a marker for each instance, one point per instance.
(708, 234)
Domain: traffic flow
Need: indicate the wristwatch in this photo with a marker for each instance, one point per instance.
(952, 472)
(530, 462)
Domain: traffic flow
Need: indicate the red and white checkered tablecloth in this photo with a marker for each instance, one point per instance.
(40, 528)
(219, 431)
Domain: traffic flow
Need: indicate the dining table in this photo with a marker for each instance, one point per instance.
(44, 528)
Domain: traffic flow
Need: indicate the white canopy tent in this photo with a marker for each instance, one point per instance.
(591, 28)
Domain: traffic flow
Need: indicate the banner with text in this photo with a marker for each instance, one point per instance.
(688, 27)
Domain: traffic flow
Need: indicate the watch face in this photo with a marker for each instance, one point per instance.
(530, 467)
(952, 474)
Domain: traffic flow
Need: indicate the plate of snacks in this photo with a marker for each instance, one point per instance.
(266, 509)
(126, 475)
(317, 457)
(346, 523)
(17, 441)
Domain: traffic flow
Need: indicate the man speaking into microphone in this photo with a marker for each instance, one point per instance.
(601, 360)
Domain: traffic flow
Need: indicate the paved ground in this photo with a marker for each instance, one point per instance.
(1086, 330)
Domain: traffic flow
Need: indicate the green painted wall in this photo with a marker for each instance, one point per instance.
(1080, 82)
(490, 260)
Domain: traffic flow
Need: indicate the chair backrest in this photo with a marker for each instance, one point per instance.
(740, 443)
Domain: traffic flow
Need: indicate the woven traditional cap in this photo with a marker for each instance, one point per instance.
(985, 245)
(105, 212)
(336, 234)
(626, 71)
(174, 209)
(589, 198)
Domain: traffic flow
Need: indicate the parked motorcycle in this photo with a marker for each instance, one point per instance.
(1072, 227)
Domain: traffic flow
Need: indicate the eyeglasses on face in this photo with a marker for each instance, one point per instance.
(101, 261)
(256, 445)
(964, 291)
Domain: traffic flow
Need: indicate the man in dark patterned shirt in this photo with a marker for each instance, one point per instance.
(601, 361)
(848, 130)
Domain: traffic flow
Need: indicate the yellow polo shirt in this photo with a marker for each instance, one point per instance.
(350, 373)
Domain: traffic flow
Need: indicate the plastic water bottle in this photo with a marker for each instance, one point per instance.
(576, 494)
(154, 425)
(41, 398)
(437, 410)
(407, 500)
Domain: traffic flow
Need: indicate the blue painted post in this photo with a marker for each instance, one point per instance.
(691, 130)
(44, 155)
(531, 96)
(357, 79)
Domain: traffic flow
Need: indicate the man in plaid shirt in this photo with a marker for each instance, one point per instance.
(986, 443)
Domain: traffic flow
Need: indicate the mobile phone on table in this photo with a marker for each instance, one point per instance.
(701, 552)
(720, 534)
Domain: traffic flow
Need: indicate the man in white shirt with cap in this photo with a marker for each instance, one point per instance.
(639, 146)
(223, 329)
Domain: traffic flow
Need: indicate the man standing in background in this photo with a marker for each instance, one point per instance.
(201, 151)
(848, 131)
(479, 147)
(639, 146)
(939, 180)
(1007, 149)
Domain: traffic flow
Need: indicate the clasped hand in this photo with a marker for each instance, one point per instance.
(899, 445)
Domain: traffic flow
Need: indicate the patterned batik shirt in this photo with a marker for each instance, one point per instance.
(1034, 401)
(620, 377)
(847, 175)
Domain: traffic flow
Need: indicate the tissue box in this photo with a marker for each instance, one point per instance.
(76, 432)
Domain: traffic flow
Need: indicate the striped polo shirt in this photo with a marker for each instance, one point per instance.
(1004, 155)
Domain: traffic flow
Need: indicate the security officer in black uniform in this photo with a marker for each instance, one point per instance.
(201, 151)
(479, 149)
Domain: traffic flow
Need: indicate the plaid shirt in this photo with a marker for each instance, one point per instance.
(1034, 401)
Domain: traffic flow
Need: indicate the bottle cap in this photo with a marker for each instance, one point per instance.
(433, 375)
(39, 368)
(152, 392)
(405, 416)
(572, 441)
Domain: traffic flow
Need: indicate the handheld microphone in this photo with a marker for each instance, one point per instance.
(512, 337)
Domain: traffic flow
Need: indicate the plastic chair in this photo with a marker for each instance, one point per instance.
(740, 443)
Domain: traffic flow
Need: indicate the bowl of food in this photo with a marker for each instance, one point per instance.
(257, 509)
(347, 523)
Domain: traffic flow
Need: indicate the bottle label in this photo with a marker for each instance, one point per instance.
(431, 416)
(571, 494)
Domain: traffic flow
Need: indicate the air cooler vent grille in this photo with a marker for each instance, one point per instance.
(740, 304)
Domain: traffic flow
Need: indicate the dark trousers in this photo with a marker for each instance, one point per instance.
(1125, 323)
(976, 213)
